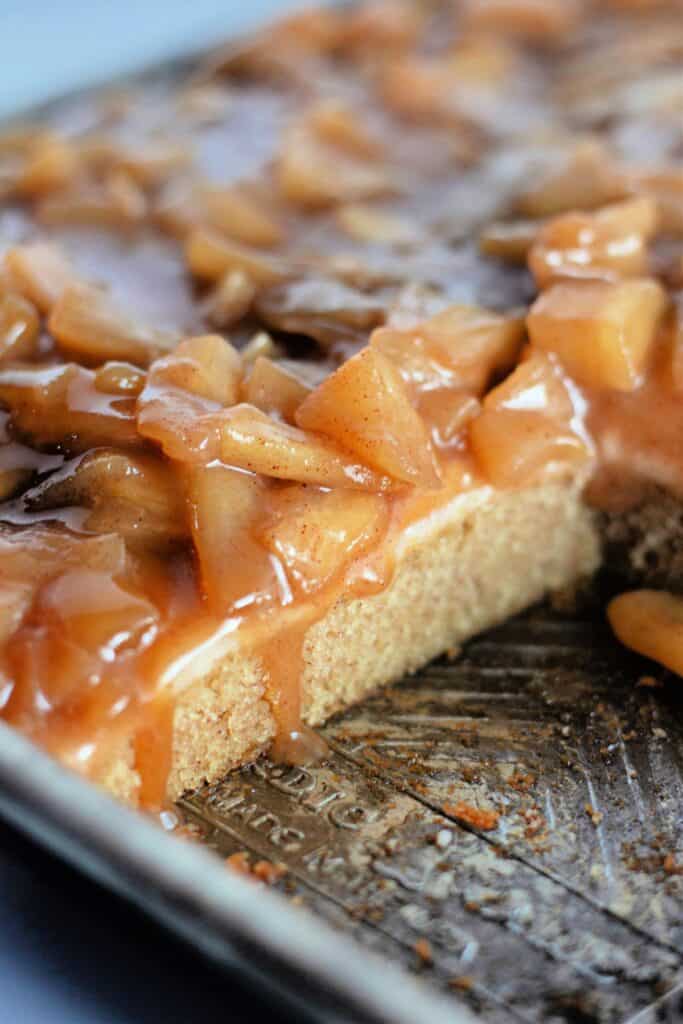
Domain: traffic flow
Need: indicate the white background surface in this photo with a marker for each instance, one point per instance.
(50, 46)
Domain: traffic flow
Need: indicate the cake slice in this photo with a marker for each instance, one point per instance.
(313, 366)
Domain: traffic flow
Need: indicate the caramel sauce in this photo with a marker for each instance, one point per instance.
(283, 661)
(324, 182)
(640, 439)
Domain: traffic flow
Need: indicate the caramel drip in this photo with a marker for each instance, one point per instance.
(153, 751)
(283, 661)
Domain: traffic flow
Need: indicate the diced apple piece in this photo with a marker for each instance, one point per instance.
(126, 197)
(261, 344)
(211, 256)
(185, 424)
(61, 405)
(15, 600)
(366, 223)
(447, 412)
(461, 347)
(526, 426)
(237, 213)
(185, 392)
(479, 59)
(635, 216)
(207, 366)
(537, 384)
(419, 87)
(339, 125)
(533, 20)
(651, 623)
(150, 164)
(587, 178)
(41, 272)
(19, 327)
(85, 322)
(226, 504)
(381, 25)
(36, 555)
(177, 209)
(602, 331)
(509, 241)
(119, 378)
(365, 407)
(610, 243)
(53, 164)
(230, 300)
(312, 174)
(515, 448)
(316, 534)
(94, 612)
(665, 187)
(274, 389)
(116, 204)
(135, 496)
(253, 441)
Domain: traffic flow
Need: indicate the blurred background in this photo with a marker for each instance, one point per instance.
(48, 47)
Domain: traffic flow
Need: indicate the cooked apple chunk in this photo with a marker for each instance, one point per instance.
(15, 600)
(87, 324)
(52, 164)
(19, 327)
(317, 533)
(230, 299)
(366, 223)
(93, 611)
(509, 241)
(610, 243)
(365, 407)
(184, 424)
(119, 378)
(527, 426)
(253, 441)
(236, 212)
(650, 622)
(211, 256)
(136, 496)
(41, 272)
(313, 174)
(339, 125)
(447, 412)
(535, 20)
(274, 389)
(602, 331)
(61, 405)
(584, 178)
(39, 553)
(235, 571)
(207, 365)
(461, 347)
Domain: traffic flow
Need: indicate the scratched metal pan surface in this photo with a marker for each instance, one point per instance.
(562, 902)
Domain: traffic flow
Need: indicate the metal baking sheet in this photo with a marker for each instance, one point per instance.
(569, 910)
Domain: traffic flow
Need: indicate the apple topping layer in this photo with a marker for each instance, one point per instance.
(267, 334)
